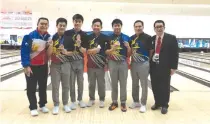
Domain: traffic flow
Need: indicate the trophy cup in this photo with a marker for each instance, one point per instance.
(155, 58)
(77, 43)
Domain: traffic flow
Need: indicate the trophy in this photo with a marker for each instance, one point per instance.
(155, 58)
(134, 51)
(77, 42)
(117, 43)
(61, 49)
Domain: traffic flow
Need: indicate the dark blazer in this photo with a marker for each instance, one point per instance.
(168, 57)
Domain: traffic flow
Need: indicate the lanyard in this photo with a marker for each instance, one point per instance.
(43, 37)
(134, 41)
(116, 39)
(61, 40)
(74, 37)
(93, 40)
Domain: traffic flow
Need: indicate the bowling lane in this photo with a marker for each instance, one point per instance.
(196, 53)
(186, 85)
(183, 84)
(195, 58)
(9, 52)
(195, 72)
(4, 50)
(9, 55)
(9, 68)
(205, 66)
(9, 60)
(16, 83)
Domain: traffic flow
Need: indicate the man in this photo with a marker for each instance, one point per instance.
(163, 64)
(96, 62)
(118, 50)
(35, 62)
(140, 45)
(75, 43)
(60, 68)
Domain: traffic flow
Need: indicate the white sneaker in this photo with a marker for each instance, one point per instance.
(134, 105)
(44, 109)
(73, 106)
(34, 112)
(142, 109)
(101, 104)
(90, 103)
(66, 108)
(82, 104)
(55, 110)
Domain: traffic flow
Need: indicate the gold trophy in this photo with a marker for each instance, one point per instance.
(61, 49)
(77, 43)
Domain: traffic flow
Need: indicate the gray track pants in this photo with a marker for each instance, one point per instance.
(140, 71)
(60, 73)
(96, 74)
(77, 70)
(118, 72)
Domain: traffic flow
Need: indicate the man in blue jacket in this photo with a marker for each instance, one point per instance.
(118, 51)
(34, 59)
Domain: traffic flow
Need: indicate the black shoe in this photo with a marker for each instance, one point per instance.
(123, 107)
(155, 107)
(113, 106)
(164, 110)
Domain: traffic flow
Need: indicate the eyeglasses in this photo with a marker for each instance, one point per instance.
(44, 24)
(159, 27)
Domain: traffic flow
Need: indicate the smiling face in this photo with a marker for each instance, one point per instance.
(138, 27)
(159, 28)
(61, 27)
(117, 27)
(43, 25)
(97, 27)
(77, 24)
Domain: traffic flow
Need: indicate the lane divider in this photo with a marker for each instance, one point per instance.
(194, 78)
(202, 69)
(10, 56)
(10, 63)
(196, 57)
(187, 59)
(11, 74)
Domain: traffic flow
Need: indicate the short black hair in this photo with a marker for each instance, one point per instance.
(97, 20)
(159, 21)
(42, 18)
(138, 21)
(61, 20)
(117, 21)
(78, 16)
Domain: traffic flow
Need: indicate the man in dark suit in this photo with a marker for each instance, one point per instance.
(163, 64)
